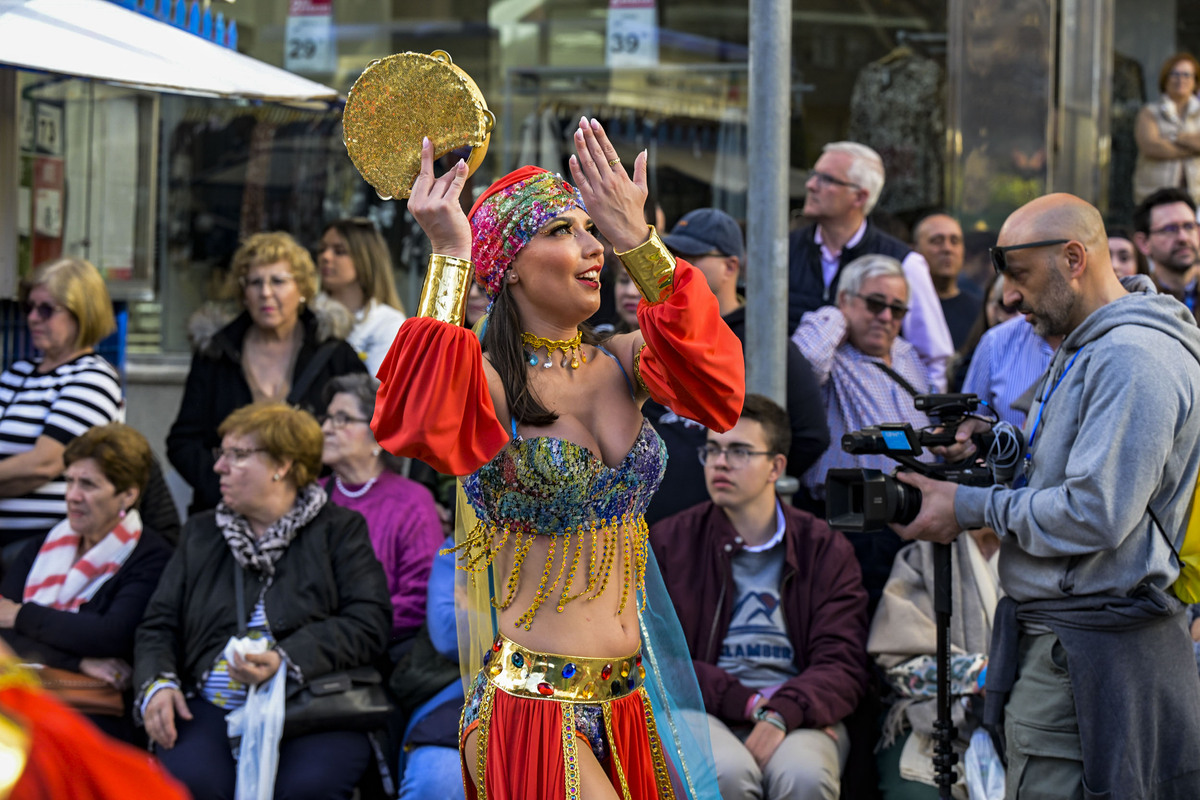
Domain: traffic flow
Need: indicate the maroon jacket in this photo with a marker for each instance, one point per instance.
(824, 607)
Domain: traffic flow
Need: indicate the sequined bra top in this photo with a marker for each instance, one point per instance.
(543, 485)
(549, 487)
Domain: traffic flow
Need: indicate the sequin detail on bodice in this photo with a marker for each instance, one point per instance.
(544, 486)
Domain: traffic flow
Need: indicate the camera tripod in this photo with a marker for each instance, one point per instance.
(944, 732)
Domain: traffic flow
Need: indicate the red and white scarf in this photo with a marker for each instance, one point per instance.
(57, 580)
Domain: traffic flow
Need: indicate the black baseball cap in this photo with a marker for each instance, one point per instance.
(706, 231)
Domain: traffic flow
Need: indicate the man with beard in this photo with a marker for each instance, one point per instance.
(1166, 233)
(1091, 663)
(939, 239)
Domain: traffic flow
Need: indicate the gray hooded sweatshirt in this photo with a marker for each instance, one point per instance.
(1118, 433)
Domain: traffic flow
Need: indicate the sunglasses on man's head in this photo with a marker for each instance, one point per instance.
(1000, 260)
(44, 310)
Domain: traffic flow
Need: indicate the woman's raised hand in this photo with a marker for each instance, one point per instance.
(615, 202)
(435, 206)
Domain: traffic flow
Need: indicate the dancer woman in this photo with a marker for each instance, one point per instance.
(540, 423)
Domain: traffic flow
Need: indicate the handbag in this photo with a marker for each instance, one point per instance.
(345, 700)
(85, 694)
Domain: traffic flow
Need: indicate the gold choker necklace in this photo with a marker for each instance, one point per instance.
(570, 347)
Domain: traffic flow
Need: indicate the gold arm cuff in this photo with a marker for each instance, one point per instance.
(637, 370)
(444, 296)
(652, 268)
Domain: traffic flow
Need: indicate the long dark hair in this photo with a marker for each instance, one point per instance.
(502, 341)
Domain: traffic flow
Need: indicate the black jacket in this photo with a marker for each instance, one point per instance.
(216, 387)
(806, 282)
(327, 607)
(683, 484)
(103, 627)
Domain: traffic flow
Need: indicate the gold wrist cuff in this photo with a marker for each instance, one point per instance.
(652, 268)
(444, 296)
(637, 370)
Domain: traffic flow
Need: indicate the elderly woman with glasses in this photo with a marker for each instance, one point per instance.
(281, 348)
(356, 271)
(314, 593)
(48, 400)
(401, 516)
(1168, 132)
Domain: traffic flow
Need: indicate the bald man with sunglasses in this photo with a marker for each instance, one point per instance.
(1091, 678)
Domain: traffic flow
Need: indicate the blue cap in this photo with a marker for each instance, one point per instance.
(705, 231)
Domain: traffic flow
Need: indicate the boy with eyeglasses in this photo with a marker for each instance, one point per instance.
(1166, 233)
(773, 608)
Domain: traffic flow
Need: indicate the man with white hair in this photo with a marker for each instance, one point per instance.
(842, 189)
(868, 375)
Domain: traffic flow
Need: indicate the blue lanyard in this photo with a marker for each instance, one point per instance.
(1037, 422)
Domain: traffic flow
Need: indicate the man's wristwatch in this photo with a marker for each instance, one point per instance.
(764, 714)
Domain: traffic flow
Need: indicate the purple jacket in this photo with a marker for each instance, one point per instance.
(406, 533)
(824, 607)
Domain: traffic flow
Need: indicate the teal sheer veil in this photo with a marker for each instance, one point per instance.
(674, 693)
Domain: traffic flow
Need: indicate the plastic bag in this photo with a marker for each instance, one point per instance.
(985, 773)
(260, 725)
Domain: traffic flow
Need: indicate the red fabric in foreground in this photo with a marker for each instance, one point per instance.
(693, 362)
(72, 760)
(525, 750)
(433, 402)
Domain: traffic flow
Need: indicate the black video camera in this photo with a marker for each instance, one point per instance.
(867, 500)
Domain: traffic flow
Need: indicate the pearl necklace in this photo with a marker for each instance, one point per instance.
(571, 349)
(366, 487)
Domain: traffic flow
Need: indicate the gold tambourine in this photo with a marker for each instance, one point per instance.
(399, 100)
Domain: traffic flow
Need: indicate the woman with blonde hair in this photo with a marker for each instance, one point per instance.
(312, 593)
(356, 271)
(47, 401)
(279, 349)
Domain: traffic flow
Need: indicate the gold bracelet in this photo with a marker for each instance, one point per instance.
(637, 370)
(652, 268)
(444, 296)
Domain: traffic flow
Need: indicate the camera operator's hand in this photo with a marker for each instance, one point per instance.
(963, 448)
(936, 521)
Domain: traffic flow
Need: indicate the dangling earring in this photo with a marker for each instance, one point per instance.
(122, 513)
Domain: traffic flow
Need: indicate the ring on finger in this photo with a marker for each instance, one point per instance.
(614, 161)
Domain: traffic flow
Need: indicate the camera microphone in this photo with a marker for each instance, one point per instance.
(1006, 451)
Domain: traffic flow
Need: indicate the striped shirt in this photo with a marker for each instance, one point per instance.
(220, 689)
(856, 392)
(61, 404)
(1007, 363)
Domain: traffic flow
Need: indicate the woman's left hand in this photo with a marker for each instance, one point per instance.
(8, 612)
(113, 671)
(616, 203)
(255, 667)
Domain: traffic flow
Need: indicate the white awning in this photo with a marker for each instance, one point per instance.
(103, 41)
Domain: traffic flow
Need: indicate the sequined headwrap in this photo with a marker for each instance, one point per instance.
(506, 217)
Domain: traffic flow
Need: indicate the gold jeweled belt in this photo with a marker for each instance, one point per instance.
(522, 672)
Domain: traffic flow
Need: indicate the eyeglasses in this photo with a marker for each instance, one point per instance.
(876, 303)
(235, 456)
(736, 455)
(277, 282)
(1173, 229)
(44, 310)
(1176, 73)
(341, 419)
(825, 179)
(999, 254)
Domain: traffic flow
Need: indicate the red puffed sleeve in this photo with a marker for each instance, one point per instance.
(433, 402)
(693, 362)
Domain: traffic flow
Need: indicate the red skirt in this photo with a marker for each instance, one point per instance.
(533, 729)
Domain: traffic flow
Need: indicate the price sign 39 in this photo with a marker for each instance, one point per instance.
(632, 39)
